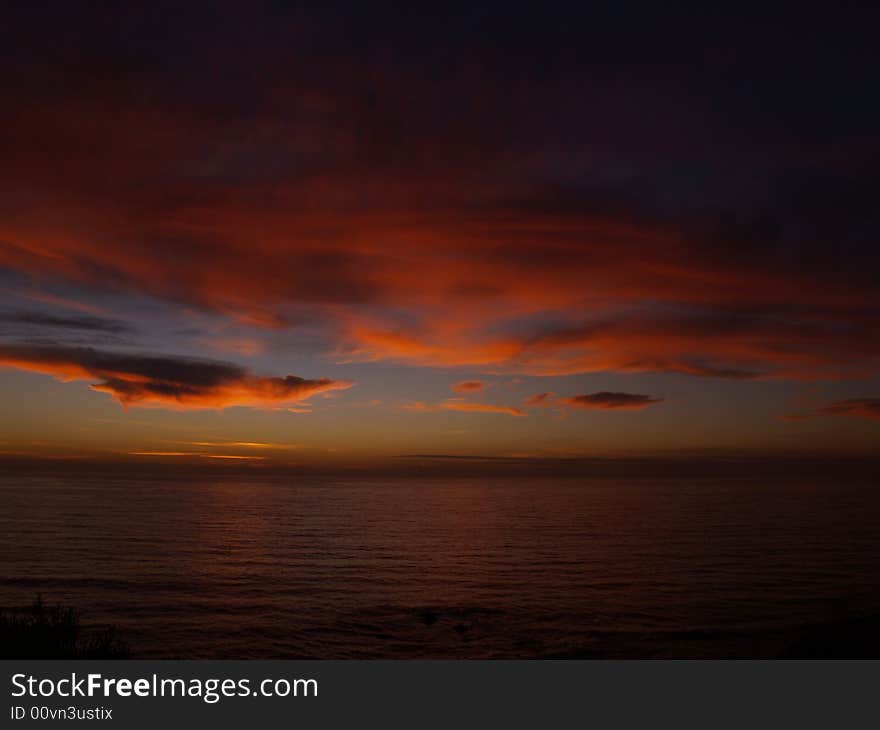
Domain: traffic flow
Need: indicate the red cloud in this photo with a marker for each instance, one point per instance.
(468, 386)
(152, 380)
(470, 298)
(457, 261)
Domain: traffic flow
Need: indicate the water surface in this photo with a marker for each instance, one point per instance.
(253, 567)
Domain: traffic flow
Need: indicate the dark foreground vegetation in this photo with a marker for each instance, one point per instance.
(54, 632)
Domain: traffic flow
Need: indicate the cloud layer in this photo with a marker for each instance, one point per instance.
(159, 380)
(534, 231)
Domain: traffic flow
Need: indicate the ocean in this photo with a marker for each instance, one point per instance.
(234, 567)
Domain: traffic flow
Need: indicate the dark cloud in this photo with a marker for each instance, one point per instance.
(603, 400)
(159, 380)
(468, 386)
(540, 400)
(609, 401)
(855, 407)
(37, 319)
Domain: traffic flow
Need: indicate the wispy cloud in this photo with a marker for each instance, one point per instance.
(35, 320)
(198, 455)
(246, 346)
(852, 407)
(243, 445)
(603, 400)
(65, 302)
(464, 407)
(540, 400)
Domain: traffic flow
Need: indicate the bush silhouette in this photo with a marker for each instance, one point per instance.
(54, 632)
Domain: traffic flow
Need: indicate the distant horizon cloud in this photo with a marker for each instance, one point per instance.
(851, 407)
(196, 454)
(242, 445)
(603, 400)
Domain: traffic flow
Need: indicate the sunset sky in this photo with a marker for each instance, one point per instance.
(257, 231)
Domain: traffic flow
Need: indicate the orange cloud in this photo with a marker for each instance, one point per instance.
(162, 453)
(243, 445)
(197, 454)
(164, 381)
(463, 406)
(723, 340)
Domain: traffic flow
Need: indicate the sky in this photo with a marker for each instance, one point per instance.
(270, 233)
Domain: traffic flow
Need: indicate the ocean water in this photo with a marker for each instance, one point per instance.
(253, 567)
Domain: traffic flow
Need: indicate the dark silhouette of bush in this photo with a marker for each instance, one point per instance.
(54, 632)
